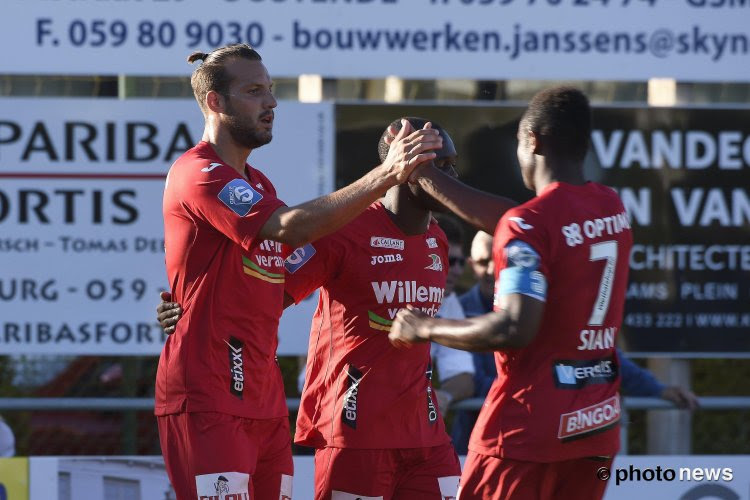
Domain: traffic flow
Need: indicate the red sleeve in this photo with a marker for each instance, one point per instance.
(312, 266)
(522, 224)
(228, 202)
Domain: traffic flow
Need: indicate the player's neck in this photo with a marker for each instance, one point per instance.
(568, 172)
(227, 150)
(410, 218)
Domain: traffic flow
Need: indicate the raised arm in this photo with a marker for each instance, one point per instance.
(478, 208)
(308, 221)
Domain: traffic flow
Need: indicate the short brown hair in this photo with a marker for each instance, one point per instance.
(211, 74)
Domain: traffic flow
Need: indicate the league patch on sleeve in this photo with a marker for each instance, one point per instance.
(521, 274)
(298, 258)
(239, 196)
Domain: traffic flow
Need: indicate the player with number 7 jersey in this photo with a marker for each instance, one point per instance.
(568, 247)
(561, 269)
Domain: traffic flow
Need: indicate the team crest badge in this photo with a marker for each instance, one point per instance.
(437, 263)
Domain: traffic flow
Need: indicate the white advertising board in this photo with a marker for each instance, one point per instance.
(81, 230)
(692, 40)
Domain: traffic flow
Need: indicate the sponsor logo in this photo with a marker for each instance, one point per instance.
(521, 223)
(595, 228)
(298, 258)
(436, 264)
(406, 291)
(521, 254)
(349, 410)
(572, 374)
(236, 367)
(385, 259)
(223, 486)
(431, 243)
(589, 420)
(259, 186)
(431, 410)
(210, 167)
(239, 196)
(383, 242)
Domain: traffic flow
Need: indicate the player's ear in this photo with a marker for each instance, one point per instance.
(215, 101)
(535, 142)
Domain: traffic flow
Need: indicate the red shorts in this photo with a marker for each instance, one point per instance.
(214, 455)
(492, 478)
(393, 474)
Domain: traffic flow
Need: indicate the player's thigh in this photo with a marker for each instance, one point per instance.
(348, 474)
(491, 478)
(206, 454)
(275, 468)
(428, 473)
(579, 479)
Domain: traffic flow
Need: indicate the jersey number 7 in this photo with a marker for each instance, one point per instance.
(606, 250)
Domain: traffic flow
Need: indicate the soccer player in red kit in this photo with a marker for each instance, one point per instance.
(220, 401)
(369, 409)
(551, 418)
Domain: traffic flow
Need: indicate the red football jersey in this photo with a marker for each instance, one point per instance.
(222, 356)
(360, 391)
(556, 399)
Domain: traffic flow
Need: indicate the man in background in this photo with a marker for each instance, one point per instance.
(455, 367)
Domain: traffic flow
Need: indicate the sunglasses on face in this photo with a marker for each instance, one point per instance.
(456, 261)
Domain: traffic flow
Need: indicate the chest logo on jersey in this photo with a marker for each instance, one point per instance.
(575, 374)
(436, 264)
(298, 258)
(431, 243)
(383, 242)
(389, 292)
(586, 421)
(386, 259)
(236, 367)
(239, 196)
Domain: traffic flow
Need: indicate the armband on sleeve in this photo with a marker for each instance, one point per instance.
(521, 273)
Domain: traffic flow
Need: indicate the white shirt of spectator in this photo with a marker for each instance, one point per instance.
(451, 362)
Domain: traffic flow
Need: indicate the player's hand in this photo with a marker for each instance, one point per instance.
(682, 398)
(409, 149)
(422, 170)
(168, 313)
(405, 329)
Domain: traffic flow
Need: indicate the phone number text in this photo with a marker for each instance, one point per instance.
(147, 33)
